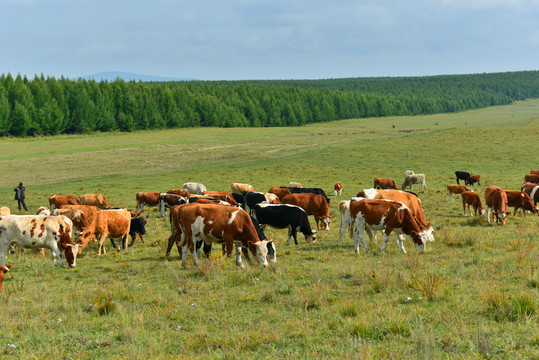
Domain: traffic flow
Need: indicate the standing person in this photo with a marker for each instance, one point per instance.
(19, 195)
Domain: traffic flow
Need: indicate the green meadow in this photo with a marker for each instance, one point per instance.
(472, 295)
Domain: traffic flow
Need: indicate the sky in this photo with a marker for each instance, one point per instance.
(277, 39)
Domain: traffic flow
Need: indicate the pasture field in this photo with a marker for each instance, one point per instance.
(473, 294)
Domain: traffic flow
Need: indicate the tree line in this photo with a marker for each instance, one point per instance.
(49, 106)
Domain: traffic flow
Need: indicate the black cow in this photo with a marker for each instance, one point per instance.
(462, 175)
(251, 199)
(282, 216)
(318, 191)
(240, 199)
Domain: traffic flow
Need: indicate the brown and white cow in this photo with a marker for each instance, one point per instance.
(88, 210)
(3, 270)
(238, 188)
(473, 179)
(56, 201)
(148, 199)
(470, 198)
(97, 200)
(455, 189)
(280, 192)
(532, 190)
(337, 189)
(182, 192)
(37, 231)
(410, 180)
(520, 200)
(384, 183)
(532, 178)
(388, 216)
(79, 219)
(226, 225)
(107, 223)
(496, 200)
(412, 202)
(313, 204)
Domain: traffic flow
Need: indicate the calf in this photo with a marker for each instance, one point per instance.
(532, 178)
(37, 231)
(455, 189)
(167, 200)
(194, 188)
(241, 188)
(108, 223)
(520, 200)
(410, 180)
(56, 201)
(313, 204)
(462, 175)
(532, 190)
(388, 216)
(97, 200)
(337, 189)
(384, 183)
(3, 270)
(473, 179)
(282, 216)
(496, 200)
(470, 198)
(148, 199)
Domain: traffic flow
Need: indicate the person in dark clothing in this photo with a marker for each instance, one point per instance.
(19, 195)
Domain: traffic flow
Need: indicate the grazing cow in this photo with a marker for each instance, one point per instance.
(455, 189)
(226, 225)
(388, 216)
(410, 180)
(313, 204)
(241, 188)
(167, 200)
(97, 200)
(240, 199)
(470, 198)
(3, 270)
(194, 188)
(534, 171)
(473, 179)
(408, 172)
(532, 190)
(79, 219)
(108, 223)
(4, 210)
(411, 201)
(344, 210)
(282, 216)
(496, 200)
(182, 192)
(384, 183)
(337, 189)
(148, 199)
(462, 175)
(520, 200)
(56, 201)
(221, 195)
(318, 191)
(532, 178)
(37, 231)
(279, 191)
(294, 184)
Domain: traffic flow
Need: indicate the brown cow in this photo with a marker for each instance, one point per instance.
(148, 199)
(337, 189)
(470, 198)
(384, 183)
(181, 192)
(388, 216)
(237, 188)
(56, 201)
(520, 200)
(455, 189)
(79, 219)
(497, 200)
(97, 200)
(3, 270)
(221, 195)
(280, 192)
(313, 204)
(534, 171)
(88, 210)
(532, 178)
(473, 179)
(532, 190)
(222, 224)
(111, 223)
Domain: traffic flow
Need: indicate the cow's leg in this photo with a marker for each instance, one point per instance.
(101, 244)
(185, 249)
(238, 255)
(359, 234)
(124, 241)
(384, 242)
(294, 234)
(171, 241)
(289, 235)
(400, 242)
(54, 250)
(488, 214)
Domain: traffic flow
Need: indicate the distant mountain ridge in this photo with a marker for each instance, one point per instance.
(126, 76)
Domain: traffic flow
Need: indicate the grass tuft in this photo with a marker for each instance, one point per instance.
(103, 303)
(427, 284)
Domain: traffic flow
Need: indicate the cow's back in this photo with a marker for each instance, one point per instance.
(496, 198)
(313, 204)
(115, 223)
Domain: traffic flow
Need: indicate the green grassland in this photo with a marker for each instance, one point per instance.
(473, 294)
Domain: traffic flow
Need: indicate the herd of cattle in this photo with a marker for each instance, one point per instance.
(238, 218)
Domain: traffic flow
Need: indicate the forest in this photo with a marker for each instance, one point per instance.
(50, 106)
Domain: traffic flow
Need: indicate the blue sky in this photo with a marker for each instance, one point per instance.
(245, 39)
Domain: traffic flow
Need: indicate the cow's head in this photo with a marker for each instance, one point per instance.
(501, 216)
(311, 238)
(71, 251)
(138, 224)
(326, 220)
(481, 211)
(3, 269)
(272, 254)
(260, 251)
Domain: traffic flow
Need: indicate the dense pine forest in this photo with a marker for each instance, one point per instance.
(48, 106)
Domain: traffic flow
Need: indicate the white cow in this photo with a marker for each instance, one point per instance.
(37, 231)
(410, 180)
(194, 188)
